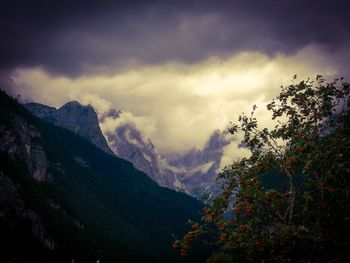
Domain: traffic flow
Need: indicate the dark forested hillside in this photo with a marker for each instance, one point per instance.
(61, 197)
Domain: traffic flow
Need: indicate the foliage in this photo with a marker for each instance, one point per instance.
(305, 216)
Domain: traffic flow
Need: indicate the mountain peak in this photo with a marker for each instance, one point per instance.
(76, 105)
(216, 141)
(90, 201)
(73, 103)
(74, 113)
(112, 113)
(81, 119)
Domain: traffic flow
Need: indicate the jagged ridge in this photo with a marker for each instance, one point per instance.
(86, 199)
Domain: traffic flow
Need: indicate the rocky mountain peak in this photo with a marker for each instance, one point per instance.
(193, 172)
(216, 141)
(73, 103)
(42, 111)
(127, 143)
(81, 119)
(73, 113)
(112, 113)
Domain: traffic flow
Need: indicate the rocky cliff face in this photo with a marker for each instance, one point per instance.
(73, 116)
(62, 190)
(193, 172)
(21, 142)
(127, 143)
(14, 210)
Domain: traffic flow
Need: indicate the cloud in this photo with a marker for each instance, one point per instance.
(89, 36)
(146, 124)
(232, 152)
(179, 105)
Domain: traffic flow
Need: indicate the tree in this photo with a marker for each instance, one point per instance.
(289, 201)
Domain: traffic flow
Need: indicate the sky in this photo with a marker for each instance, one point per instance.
(178, 69)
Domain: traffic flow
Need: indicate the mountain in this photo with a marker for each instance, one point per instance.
(127, 143)
(61, 197)
(193, 172)
(197, 169)
(80, 119)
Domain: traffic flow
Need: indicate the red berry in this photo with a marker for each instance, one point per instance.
(300, 149)
(322, 205)
(243, 228)
(189, 236)
(249, 211)
(208, 218)
(258, 244)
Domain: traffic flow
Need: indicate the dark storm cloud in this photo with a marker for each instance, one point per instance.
(73, 37)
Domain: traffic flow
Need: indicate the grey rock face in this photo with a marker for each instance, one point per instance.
(194, 172)
(10, 200)
(113, 113)
(127, 143)
(73, 116)
(21, 140)
(37, 162)
(212, 151)
(8, 194)
(42, 111)
(25, 144)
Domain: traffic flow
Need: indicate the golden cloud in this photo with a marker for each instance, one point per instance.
(177, 105)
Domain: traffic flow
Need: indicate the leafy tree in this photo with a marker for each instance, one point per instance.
(289, 201)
